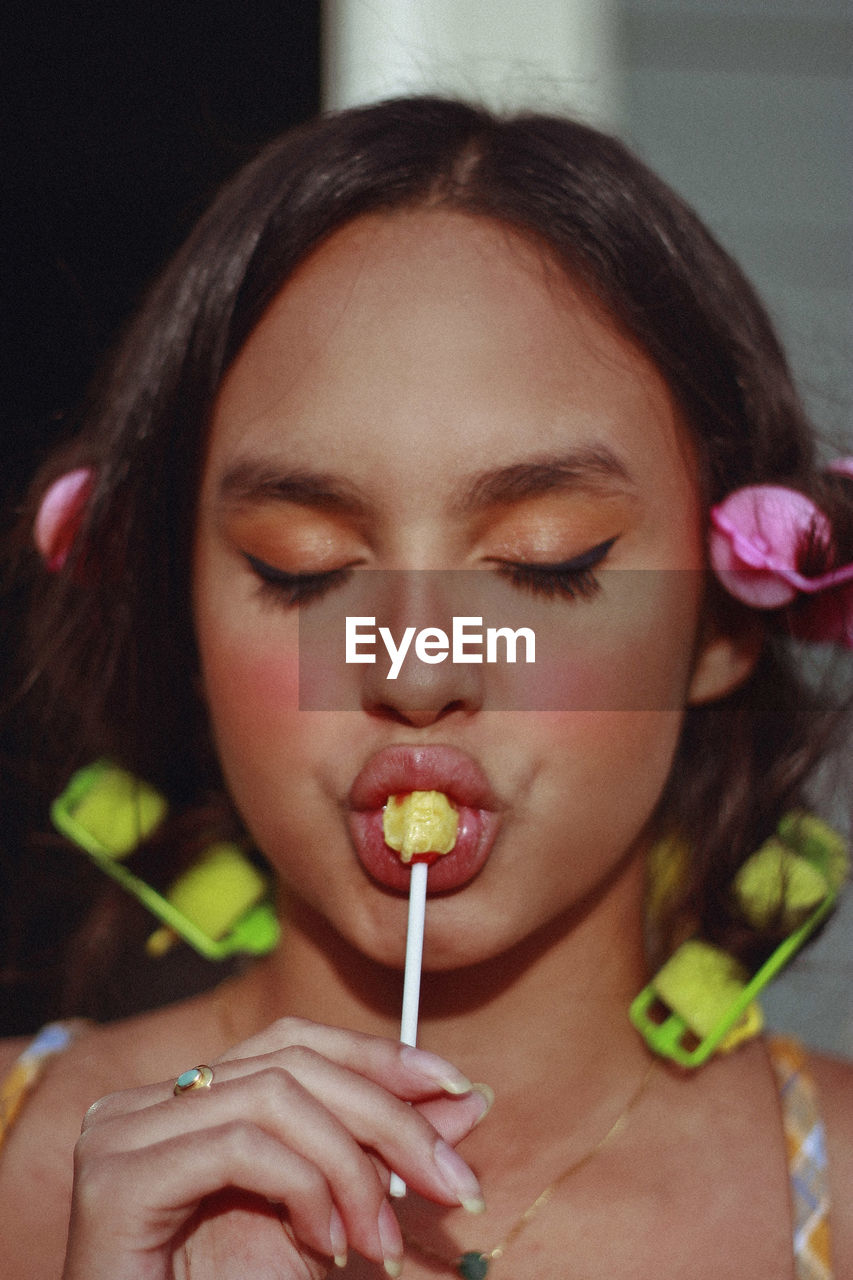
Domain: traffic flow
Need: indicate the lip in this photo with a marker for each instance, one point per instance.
(398, 769)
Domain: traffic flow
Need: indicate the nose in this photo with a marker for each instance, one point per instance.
(428, 685)
(421, 697)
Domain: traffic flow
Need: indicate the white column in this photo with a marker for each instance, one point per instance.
(546, 54)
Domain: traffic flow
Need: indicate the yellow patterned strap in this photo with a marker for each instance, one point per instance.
(807, 1163)
(26, 1071)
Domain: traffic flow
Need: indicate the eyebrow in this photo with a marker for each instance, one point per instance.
(252, 482)
(591, 469)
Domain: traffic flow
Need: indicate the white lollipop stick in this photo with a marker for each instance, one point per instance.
(412, 978)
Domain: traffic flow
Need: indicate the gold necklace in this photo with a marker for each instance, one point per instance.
(474, 1264)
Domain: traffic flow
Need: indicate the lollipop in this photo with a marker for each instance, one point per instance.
(421, 826)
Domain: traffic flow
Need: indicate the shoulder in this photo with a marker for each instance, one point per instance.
(10, 1051)
(36, 1162)
(834, 1080)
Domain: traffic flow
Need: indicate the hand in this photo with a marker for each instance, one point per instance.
(280, 1166)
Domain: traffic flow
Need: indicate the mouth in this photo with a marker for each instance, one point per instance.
(399, 769)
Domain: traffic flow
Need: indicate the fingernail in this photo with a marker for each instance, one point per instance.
(488, 1096)
(390, 1239)
(338, 1238)
(459, 1178)
(436, 1070)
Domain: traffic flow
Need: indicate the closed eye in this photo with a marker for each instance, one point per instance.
(295, 588)
(573, 579)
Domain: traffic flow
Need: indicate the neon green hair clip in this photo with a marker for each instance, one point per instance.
(703, 1001)
(220, 905)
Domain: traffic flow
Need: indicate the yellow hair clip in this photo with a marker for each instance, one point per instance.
(703, 1001)
(220, 905)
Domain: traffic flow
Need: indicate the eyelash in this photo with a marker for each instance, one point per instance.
(294, 588)
(573, 579)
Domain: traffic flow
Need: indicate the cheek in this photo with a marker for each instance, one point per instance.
(271, 680)
(262, 740)
(637, 666)
(602, 776)
(612, 749)
(250, 686)
(629, 648)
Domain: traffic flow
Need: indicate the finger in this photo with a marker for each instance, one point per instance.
(412, 1074)
(374, 1115)
(351, 1093)
(329, 1115)
(239, 1236)
(409, 1072)
(400, 1134)
(454, 1118)
(152, 1192)
(274, 1103)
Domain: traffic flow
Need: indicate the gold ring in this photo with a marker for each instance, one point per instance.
(199, 1077)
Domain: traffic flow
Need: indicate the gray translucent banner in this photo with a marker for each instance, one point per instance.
(419, 641)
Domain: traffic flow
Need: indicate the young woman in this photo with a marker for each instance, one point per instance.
(413, 338)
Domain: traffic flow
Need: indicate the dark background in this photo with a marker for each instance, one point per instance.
(118, 121)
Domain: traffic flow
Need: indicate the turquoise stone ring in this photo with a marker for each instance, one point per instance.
(196, 1078)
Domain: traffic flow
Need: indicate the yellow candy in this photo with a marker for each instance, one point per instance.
(420, 822)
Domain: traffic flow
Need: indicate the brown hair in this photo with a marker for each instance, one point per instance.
(110, 650)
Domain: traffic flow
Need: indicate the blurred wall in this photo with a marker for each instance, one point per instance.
(557, 53)
(746, 108)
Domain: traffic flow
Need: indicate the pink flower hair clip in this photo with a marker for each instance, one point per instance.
(757, 536)
(60, 515)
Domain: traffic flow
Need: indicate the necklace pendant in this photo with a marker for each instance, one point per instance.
(473, 1266)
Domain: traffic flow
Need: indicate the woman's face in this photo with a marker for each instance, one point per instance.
(429, 392)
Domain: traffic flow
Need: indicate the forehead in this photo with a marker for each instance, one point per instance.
(427, 324)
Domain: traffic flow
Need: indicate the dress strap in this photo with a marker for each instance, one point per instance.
(26, 1071)
(807, 1162)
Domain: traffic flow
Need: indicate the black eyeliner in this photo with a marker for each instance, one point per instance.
(294, 588)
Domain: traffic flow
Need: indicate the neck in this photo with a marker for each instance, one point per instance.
(499, 1020)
